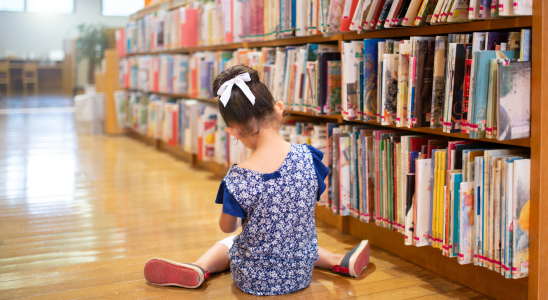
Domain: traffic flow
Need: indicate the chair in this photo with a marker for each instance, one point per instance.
(30, 75)
(5, 76)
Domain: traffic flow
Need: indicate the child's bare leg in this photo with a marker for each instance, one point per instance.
(327, 259)
(215, 259)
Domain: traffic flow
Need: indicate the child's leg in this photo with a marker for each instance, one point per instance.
(215, 259)
(327, 259)
(352, 264)
(165, 272)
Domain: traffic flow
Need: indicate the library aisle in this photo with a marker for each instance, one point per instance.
(80, 215)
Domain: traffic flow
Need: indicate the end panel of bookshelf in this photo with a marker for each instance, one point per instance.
(480, 279)
(488, 25)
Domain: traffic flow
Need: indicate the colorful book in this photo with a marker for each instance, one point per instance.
(514, 100)
(438, 84)
(520, 218)
(403, 81)
(424, 51)
(334, 86)
(467, 217)
(423, 203)
(390, 89)
(370, 50)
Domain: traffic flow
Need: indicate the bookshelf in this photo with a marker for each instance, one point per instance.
(535, 286)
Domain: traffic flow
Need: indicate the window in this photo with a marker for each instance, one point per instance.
(38, 6)
(120, 8)
(12, 5)
(51, 6)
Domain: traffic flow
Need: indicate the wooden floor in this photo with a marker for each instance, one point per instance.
(80, 215)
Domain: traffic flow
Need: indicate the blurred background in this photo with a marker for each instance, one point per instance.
(55, 47)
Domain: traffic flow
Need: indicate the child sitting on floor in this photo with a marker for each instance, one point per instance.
(272, 195)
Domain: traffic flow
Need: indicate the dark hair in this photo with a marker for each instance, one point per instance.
(239, 110)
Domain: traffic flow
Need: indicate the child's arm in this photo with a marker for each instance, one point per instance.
(229, 223)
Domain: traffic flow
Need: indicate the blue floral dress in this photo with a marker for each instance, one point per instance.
(278, 246)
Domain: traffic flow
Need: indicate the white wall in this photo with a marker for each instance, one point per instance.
(39, 33)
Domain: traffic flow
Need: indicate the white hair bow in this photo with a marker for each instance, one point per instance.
(225, 89)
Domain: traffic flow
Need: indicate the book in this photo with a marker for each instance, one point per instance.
(520, 218)
(424, 51)
(479, 109)
(514, 100)
(352, 55)
(458, 64)
(423, 203)
(390, 89)
(403, 80)
(467, 217)
(370, 50)
(438, 83)
(323, 76)
(334, 86)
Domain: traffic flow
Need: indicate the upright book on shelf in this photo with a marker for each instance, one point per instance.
(514, 101)
(370, 108)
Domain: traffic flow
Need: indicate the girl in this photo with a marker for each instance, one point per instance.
(272, 195)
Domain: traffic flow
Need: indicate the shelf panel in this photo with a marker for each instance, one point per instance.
(312, 115)
(488, 25)
(295, 40)
(186, 96)
(427, 130)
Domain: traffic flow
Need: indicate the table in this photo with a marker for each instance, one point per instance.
(50, 75)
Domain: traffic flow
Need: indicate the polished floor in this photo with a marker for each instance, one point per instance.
(80, 215)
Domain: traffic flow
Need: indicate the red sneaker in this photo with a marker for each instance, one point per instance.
(164, 272)
(355, 261)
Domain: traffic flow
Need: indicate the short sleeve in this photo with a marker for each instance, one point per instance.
(230, 205)
(321, 170)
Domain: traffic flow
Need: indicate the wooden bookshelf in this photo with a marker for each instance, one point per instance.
(535, 286)
(489, 25)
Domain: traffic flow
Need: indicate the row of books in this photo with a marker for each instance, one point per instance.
(464, 83)
(197, 127)
(468, 199)
(467, 83)
(231, 21)
(182, 73)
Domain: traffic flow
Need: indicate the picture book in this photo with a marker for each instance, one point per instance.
(520, 218)
(334, 86)
(438, 84)
(423, 186)
(467, 218)
(403, 80)
(514, 100)
(370, 53)
(344, 175)
(390, 89)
